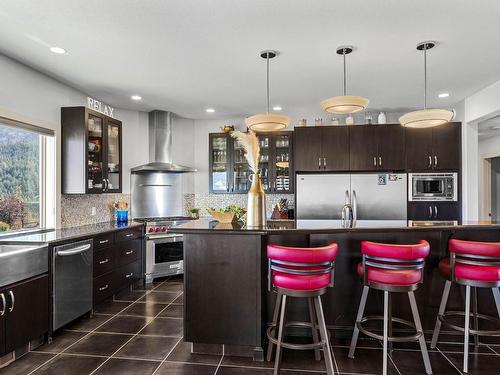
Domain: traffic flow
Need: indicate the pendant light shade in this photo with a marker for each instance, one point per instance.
(426, 118)
(267, 122)
(347, 103)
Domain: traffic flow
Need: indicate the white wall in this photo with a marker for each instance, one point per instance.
(487, 148)
(27, 93)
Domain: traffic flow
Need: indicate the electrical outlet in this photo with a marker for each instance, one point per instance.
(94, 211)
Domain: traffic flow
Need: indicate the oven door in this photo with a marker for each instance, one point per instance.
(428, 188)
(164, 256)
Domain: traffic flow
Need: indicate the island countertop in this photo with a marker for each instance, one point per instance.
(326, 226)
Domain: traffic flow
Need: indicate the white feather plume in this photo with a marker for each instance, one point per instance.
(250, 144)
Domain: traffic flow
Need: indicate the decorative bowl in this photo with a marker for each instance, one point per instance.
(223, 217)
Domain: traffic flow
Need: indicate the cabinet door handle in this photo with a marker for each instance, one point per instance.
(104, 288)
(324, 163)
(430, 161)
(103, 242)
(13, 301)
(128, 276)
(129, 235)
(435, 161)
(319, 162)
(4, 304)
(430, 212)
(435, 212)
(104, 261)
(374, 161)
(380, 161)
(129, 252)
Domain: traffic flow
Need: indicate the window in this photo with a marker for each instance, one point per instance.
(26, 178)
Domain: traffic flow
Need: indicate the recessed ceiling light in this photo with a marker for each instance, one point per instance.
(277, 108)
(136, 97)
(58, 50)
(444, 95)
(210, 110)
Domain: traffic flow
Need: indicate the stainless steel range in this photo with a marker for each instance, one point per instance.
(164, 250)
(157, 195)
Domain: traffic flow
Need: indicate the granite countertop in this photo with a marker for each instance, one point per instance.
(73, 233)
(326, 226)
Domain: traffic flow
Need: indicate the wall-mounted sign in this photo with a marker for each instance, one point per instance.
(98, 106)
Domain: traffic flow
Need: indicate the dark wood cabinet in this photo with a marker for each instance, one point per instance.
(435, 211)
(377, 147)
(26, 312)
(435, 148)
(229, 172)
(117, 261)
(91, 152)
(321, 149)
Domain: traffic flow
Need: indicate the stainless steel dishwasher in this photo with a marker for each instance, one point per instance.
(72, 282)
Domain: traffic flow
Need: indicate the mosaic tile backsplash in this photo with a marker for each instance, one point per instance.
(77, 209)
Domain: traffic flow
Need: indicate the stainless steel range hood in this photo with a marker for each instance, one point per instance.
(160, 146)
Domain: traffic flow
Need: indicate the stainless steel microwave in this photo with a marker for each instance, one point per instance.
(432, 186)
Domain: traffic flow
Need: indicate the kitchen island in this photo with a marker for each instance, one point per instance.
(227, 301)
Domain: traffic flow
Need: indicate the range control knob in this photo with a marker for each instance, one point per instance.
(163, 229)
(157, 229)
(150, 230)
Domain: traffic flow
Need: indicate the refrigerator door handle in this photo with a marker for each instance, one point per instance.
(374, 161)
(354, 207)
(319, 162)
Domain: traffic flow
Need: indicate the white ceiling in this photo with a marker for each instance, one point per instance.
(186, 55)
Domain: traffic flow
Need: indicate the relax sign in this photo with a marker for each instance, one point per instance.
(98, 106)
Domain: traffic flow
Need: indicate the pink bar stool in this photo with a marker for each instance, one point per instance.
(392, 269)
(300, 273)
(475, 265)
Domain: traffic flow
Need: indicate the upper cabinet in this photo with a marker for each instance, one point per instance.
(435, 148)
(321, 149)
(91, 152)
(229, 171)
(377, 147)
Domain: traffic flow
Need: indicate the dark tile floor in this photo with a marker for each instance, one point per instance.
(140, 333)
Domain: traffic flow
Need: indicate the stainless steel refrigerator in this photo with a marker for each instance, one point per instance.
(368, 196)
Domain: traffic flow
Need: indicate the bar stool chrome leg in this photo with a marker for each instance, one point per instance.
(466, 328)
(279, 349)
(418, 327)
(496, 296)
(276, 313)
(442, 308)
(476, 318)
(314, 329)
(386, 330)
(324, 335)
(361, 311)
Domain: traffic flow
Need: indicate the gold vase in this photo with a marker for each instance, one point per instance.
(256, 211)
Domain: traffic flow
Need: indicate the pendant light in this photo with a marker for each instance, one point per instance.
(346, 103)
(267, 122)
(426, 118)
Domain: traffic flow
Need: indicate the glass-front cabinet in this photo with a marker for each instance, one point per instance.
(91, 152)
(229, 171)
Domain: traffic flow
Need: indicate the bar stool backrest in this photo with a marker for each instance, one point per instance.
(394, 257)
(302, 261)
(474, 253)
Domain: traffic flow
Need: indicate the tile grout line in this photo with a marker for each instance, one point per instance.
(87, 334)
(445, 357)
(170, 352)
(134, 336)
(220, 362)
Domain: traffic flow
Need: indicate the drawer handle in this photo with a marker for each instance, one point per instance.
(4, 304)
(12, 301)
(104, 288)
(129, 235)
(104, 261)
(128, 276)
(103, 242)
(129, 252)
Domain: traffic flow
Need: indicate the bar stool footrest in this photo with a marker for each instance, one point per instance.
(406, 338)
(489, 318)
(271, 336)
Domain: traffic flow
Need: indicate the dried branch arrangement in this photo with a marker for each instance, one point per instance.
(250, 144)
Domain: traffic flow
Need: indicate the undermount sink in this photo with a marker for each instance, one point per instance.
(21, 261)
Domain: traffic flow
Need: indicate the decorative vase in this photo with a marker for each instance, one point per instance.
(349, 120)
(382, 119)
(256, 210)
